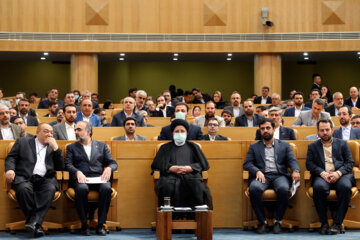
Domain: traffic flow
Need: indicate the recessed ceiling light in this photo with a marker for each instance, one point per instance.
(46, 53)
(175, 59)
(306, 58)
(359, 53)
(122, 54)
(228, 59)
(43, 58)
(122, 59)
(306, 54)
(176, 54)
(229, 54)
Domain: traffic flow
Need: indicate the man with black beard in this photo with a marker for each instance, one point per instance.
(346, 130)
(268, 161)
(24, 107)
(102, 114)
(236, 108)
(249, 119)
(202, 121)
(163, 110)
(330, 162)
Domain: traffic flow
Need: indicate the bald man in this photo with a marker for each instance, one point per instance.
(353, 101)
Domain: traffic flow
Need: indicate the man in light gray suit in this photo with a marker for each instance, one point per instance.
(130, 127)
(8, 131)
(346, 131)
(310, 118)
(202, 121)
(66, 130)
(236, 108)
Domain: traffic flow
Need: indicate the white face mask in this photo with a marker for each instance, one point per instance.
(180, 138)
(180, 115)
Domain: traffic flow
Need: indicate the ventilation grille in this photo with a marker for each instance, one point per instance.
(114, 37)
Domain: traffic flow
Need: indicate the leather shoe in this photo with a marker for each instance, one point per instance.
(86, 231)
(277, 228)
(262, 228)
(101, 231)
(31, 228)
(324, 229)
(39, 232)
(335, 229)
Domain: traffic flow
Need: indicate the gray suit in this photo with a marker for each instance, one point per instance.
(16, 131)
(354, 133)
(200, 121)
(136, 138)
(305, 118)
(231, 109)
(60, 132)
(312, 137)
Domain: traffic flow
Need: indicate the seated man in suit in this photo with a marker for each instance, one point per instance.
(264, 98)
(315, 93)
(227, 116)
(280, 132)
(30, 167)
(181, 112)
(249, 119)
(213, 129)
(24, 107)
(268, 161)
(200, 98)
(162, 110)
(346, 131)
(310, 118)
(52, 96)
(130, 127)
(276, 101)
(86, 114)
(181, 163)
(236, 108)
(330, 162)
(355, 121)
(353, 100)
(168, 99)
(89, 158)
(333, 109)
(140, 99)
(21, 123)
(59, 117)
(102, 115)
(52, 109)
(298, 99)
(145, 116)
(210, 111)
(8, 131)
(86, 95)
(128, 111)
(66, 130)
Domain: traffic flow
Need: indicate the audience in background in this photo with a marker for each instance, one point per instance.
(353, 100)
(213, 129)
(196, 111)
(236, 109)
(227, 116)
(130, 128)
(355, 121)
(203, 120)
(264, 98)
(218, 100)
(248, 119)
(333, 109)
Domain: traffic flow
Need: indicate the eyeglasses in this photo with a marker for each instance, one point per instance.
(355, 123)
(213, 125)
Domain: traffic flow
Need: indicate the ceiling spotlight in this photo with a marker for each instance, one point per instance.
(43, 58)
(228, 59)
(306, 58)
(122, 59)
(229, 54)
(175, 59)
(46, 53)
(176, 54)
(122, 54)
(359, 53)
(306, 54)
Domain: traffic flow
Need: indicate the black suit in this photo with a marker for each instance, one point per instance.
(343, 162)
(217, 138)
(241, 121)
(257, 100)
(77, 160)
(284, 134)
(350, 103)
(119, 118)
(331, 109)
(34, 193)
(315, 86)
(194, 133)
(205, 98)
(169, 112)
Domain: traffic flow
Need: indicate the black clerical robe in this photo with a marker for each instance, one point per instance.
(184, 190)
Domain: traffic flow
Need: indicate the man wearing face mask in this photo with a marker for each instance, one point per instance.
(181, 112)
(181, 163)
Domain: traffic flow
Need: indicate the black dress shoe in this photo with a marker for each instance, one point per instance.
(262, 228)
(324, 229)
(277, 228)
(31, 229)
(86, 231)
(39, 231)
(335, 229)
(101, 231)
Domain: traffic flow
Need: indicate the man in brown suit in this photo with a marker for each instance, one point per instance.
(8, 131)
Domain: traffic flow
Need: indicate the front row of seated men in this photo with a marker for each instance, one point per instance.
(31, 164)
(180, 163)
(328, 159)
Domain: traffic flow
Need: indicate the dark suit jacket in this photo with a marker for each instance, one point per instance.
(169, 112)
(350, 103)
(315, 86)
(257, 100)
(331, 109)
(241, 121)
(217, 138)
(32, 121)
(193, 134)
(119, 118)
(206, 98)
(354, 133)
(284, 158)
(16, 130)
(290, 112)
(285, 134)
(341, 155)
(77, 160)
(22, 159)
(45, 104)
(309, 104)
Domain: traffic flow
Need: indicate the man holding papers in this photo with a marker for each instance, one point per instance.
(86, 159)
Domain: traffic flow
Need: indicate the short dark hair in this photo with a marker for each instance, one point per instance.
(69, 105)
(187, 93)
(24, 100)
(263, 108)
(13, 118)
(266, 87)
(348, 108)
(196, 89)
(132, 89)
(324, 121)
(182, 104)
(209, 102)
(227, 112)
(98, 110)
(51, 103)
(315, 75)
(33, 94)
(95, 94)
(213, 119)
(317, 90)
(69, 92)
(298, 93)
(355, 117)
(76, 91)
(129, 119)
(265, 120)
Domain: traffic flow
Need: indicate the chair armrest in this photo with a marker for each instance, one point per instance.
(115, 175)
(356, 173)
(205, 175)
(66, 178)
(156, 175)
(307, 178)
(66, 175)
(59, 175)
(246, 175)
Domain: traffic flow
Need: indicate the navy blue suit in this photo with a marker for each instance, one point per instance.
(290, 112)
(354, 133)
(343, 162)
(119, 118)
(285, 134)
(44, 104)
(241, 121)
(350, 103)
(194, 133)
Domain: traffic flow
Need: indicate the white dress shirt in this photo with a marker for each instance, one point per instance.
(236, 112)
(40, 166)
(263, 100)
(87, 149)
(70, 131)
(277, 133)
(211, 138)
(346, 132)
(86, 119)
(7, 134)
(297, 112)
(250, 122)
(354, 103)
(128, 139)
